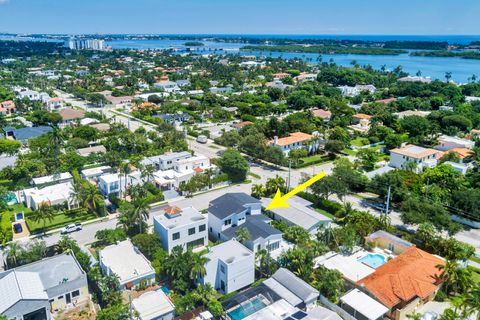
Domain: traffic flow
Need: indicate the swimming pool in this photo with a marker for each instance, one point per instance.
(165, 290)
(247, 309)
(373, 260)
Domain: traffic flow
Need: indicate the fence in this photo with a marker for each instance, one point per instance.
(342, 313)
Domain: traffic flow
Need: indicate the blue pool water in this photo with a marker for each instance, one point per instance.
(373, 260)
(165, 290)
(11, 199)
(247, 309)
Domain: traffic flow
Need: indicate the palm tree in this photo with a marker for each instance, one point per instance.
(475, 154)
(471, 301)
(448, 76)
(90, 196)
(197, 269)
(125, 169)
(453, 276)
(140, 212)
(243, 235)
(147, 172)
(44, 213)
(258, 191)
(13, 251)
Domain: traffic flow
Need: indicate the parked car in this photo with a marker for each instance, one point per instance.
(72, 228)
(17, 228)
(202, 139)
(111, 208)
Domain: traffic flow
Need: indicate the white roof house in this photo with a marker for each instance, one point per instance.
(56, 194)
(61, 177)
(357, 302)
(348, 265)
(231, 266)
(446, 143)
(154, 305)
(128, 263)
(95, 172)
(16, 286)
(300, 214)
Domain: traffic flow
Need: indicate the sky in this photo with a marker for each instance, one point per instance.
(396, 17)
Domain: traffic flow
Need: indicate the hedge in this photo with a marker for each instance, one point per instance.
(6, 233)
(321, 203)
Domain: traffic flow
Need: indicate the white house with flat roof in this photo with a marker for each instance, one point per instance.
(52, 179)
(421, 157)
(166, 161)
(51, 195)
(231, 267)
(116, 183)
(154, 305)
(362, 306)
(299, 214)
(128, 263)
(185, 227)
(94, 173)
(446, 143)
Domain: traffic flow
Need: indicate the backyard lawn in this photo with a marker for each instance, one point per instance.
(60, 219)
(359, 142)
(325, 213)
(311, 160)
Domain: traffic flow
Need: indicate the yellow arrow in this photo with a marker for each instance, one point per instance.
(280, 201)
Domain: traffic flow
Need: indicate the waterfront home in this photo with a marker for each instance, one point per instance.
(126, 262)
(296, 140)
(230, 267)
(185, 227)
(36, 290)
(154, 305)
(415, 271)
(231, 212)
(420, 156)
(299, 214)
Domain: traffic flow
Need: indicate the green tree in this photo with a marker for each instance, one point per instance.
(43, 214)
(243, 235)
(234, 164)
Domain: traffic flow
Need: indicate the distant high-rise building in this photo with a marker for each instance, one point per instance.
(86, 44)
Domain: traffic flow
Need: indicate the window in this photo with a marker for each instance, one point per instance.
(191, 231)
(60, 298)
(222, 268)
(201, 228)
(75, 293)
(228, 222)
(273, 246)
(176, 236)
(211, 230)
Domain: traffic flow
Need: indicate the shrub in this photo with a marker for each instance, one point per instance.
(6, 232)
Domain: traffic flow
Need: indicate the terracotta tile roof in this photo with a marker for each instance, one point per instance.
(241, 124)
(414, 151)
(55, 100)
(71, 114)
(462, 152)
(362, 116)
(412, 274)
(320, 113)
(9, 104)
(172, 211)
(387, 101)
(281, 75)
(198, 170)
(293, 138)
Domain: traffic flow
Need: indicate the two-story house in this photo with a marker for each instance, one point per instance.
(116, 183)
(233, 211)
(166, 161)
(185, 227)
(296, 140)
(230, 267)
(419, 156)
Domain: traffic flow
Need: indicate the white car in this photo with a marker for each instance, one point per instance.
(71, 228)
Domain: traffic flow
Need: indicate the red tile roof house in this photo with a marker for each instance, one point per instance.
(7, 107)
(323, 114)
(240, 125)
(295, 140)
(406, 281)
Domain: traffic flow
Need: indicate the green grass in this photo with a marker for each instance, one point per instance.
(256, 176)
(475, 258)
(325, 213)
(359, 142)
(350, 152)
(311, 160)
(475, 274)
(60, 220)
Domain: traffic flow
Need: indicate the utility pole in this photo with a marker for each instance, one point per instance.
(388, 199)
(289, 174)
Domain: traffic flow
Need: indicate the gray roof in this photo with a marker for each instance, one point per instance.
(16, 286)
(24, 134)
(386, 235)
(59, 274)
(257, 226)
(230, 203)
(174, 155)
(291, 288)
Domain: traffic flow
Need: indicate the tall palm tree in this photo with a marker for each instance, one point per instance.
(197, 269)
(44, 213)
(147, 172)
(125, 169)
(258, 191)
(453, 276)
(140, 212)
(90, 195)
